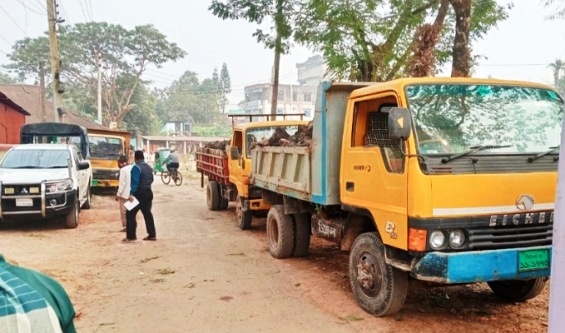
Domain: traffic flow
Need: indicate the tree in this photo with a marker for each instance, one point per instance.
(373, 40)
(5, 78)
(225, 86)
(125, 55)
(556, 67)
(281, 14)
(559, 11)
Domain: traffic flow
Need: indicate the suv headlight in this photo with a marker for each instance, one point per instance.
(59, 186)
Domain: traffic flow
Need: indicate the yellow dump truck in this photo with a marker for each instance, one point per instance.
(449, 180)
(105, 148)
(228, 170)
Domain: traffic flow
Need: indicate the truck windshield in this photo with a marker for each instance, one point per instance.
(107, 148)
(36, 159)
(259, 134)
(453, 118)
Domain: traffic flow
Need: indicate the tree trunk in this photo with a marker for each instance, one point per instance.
(427, 36)
(461, 50)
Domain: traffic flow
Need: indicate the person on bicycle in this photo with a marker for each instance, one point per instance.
(172, 161)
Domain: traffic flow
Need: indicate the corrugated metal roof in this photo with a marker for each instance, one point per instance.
(28, 98)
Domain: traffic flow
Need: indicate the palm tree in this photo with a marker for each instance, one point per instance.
(559, 10)
(556, 66)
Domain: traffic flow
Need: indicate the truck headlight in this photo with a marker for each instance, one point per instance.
(59, 186)
(437, 239)
(456, 238)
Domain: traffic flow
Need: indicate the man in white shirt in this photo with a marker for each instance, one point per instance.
(124, 187)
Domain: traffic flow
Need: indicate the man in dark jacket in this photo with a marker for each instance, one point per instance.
(141, 180)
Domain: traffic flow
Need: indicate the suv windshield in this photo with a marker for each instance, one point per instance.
(454, 118)
(35, 158)
(259, 134)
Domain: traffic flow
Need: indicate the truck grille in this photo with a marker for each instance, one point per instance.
(105, 174)
(490, 238)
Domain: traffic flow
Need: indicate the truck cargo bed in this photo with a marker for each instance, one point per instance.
(213, 163)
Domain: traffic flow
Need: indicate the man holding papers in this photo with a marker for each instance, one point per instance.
(141, 180)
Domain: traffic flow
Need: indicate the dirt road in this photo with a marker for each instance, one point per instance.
(205, 275)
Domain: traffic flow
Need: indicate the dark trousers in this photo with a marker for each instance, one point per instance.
(145, 198)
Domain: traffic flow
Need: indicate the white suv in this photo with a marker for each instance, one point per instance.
(44, 180)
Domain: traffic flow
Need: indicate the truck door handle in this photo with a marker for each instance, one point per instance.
(350, 186)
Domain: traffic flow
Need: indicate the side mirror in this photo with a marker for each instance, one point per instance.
(83, 165)
(234, 153)
(399, 123)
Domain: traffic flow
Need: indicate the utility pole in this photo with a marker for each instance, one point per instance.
(55, 63)
(42, 90)
(98, 66)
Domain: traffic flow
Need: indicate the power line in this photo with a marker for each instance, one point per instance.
(82, 10)
(40, 11)
(12, 19)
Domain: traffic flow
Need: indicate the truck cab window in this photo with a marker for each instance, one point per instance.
(371, 130)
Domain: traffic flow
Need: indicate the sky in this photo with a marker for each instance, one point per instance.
(519, 48)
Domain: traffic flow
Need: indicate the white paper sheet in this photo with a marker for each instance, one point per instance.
(130, 204)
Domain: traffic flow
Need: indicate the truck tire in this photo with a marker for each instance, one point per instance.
(71, 220)
(223, 202)
(280, 233)
(302, 233)
(213, 195)
(379, 288)
(517, 290)
(244, 218)
(88, 202)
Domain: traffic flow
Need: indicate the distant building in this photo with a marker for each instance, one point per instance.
(21, 104)
(292, 98)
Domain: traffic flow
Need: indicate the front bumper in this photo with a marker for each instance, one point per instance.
(42, 205)
(476, 266)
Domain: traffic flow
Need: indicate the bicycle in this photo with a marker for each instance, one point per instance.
(175, 176)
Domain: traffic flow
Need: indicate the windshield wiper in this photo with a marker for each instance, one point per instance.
(540, 155)
(471, 150)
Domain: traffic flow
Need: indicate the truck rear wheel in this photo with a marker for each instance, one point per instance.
(302, 233)
(280, 233)
(517, 290)
(223, 202)
(244, 218)
(379, 288)
(71, 220)
(213, 195)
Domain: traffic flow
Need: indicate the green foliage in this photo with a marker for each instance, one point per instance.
(212, 130)
(373, 39)
(143, 116)
(225, 86)
(191, 101)
(125, 55)
(5, 78)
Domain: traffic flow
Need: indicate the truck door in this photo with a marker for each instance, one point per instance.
(373, 168)
(237, 163)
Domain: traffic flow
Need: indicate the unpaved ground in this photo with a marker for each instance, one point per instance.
(206, 275)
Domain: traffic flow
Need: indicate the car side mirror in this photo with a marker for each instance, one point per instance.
(399, 123)
(234, 153)
(83, 165)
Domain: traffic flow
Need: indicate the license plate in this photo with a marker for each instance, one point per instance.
(531, 260)
(24, 202)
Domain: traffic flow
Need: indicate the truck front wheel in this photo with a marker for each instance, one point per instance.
(213, 195)
(280, 232)
(71, 219)
(379, 288)
(244, 217)
(517, 290)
